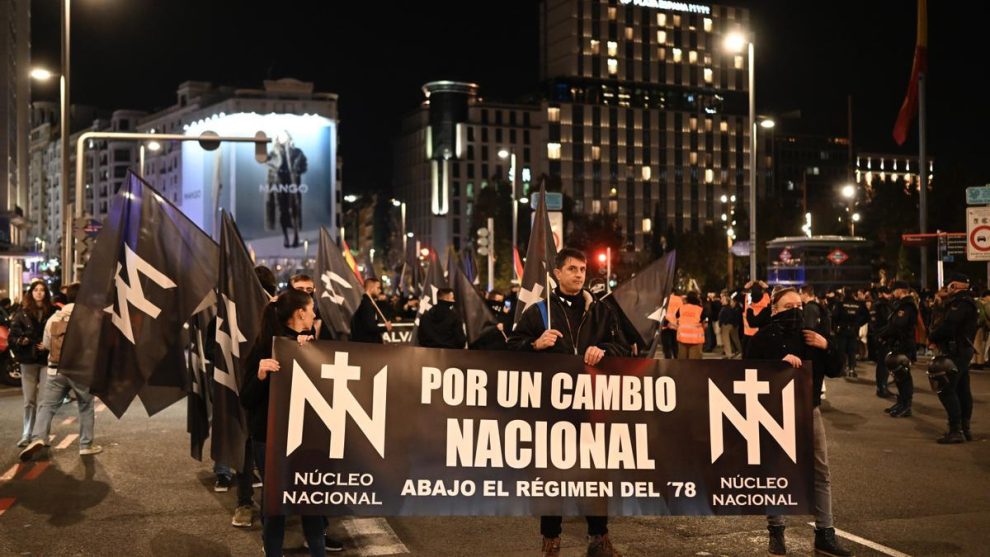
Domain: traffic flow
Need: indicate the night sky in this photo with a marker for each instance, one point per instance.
(376, 55)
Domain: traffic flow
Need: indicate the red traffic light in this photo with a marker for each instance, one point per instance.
(602, 258)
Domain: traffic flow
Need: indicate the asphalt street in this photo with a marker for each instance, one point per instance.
(896, 492)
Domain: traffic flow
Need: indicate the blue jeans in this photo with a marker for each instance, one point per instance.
(50, 400)
(273, 527)
(32, 381)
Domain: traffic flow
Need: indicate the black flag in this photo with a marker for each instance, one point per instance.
(198, 398)
(434, 281)
(468, 303)
(338, 292)
(151, 270)
(643, 297)
(540, 256)
(241, 303)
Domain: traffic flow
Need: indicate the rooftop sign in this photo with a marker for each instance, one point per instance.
(670, 6)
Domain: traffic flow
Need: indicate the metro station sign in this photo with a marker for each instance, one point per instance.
(838, 257)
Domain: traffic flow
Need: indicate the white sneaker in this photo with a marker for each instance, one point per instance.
(95, 449)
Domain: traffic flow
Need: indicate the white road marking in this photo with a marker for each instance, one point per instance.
(101, 407)
(69, 420)
(867, 543)
(67, 441)
(9, 474)
(373, 537)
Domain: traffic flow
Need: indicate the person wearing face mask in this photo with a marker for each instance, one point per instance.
(495, 337)
(953, 336)
(897, 338)
(441, 326)
(785, 338)
(755, 314)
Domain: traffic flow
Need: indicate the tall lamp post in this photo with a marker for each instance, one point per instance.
(402, 215)
(729, 218)
(849, 194)
(735, 42)
(511, 155)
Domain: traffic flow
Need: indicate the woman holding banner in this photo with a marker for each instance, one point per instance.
(785, 338)
(294, 310)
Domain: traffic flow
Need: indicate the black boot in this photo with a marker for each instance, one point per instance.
(966, 432)
(952, 437)
(903, 412)
(826, 544)
(776, 544)
(896, 407)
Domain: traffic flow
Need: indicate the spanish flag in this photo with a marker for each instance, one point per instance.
(910, 107)
(351, 262)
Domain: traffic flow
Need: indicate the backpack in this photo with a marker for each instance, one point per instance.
(57, 337)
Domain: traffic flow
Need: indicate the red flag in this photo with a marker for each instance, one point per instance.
(910, 107)
(517, 261)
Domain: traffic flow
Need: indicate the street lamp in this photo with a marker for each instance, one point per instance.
(402, 212)
(849, 193)
(735, 42)
(511, 155)
(152, 146)
(41, 74)
(728, 217)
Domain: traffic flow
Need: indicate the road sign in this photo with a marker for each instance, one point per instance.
(838, 257)
(978, 233)
(555, 200)
(978, 195)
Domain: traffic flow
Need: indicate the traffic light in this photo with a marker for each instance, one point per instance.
(483, 242)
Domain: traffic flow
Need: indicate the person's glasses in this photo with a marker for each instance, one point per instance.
(307, 289)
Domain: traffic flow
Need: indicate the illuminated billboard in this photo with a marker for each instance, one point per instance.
(278, 204)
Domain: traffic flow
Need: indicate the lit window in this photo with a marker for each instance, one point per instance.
(595, 46)
(611, 13)
(708, 24)
(738, 62)
(708, 75)
(613, 66)
(661, 37)
(553, 114)
(613, 206)
(693, 158)
(677, 21)
(596, 206)
(647, 225)
(647, 172)
(613, 48)
(629, 33)
(553, 151)
(661, 53)
(723, 126)
(692, 123)
(693, 57)
(708, 124)
(677, 55)
(661, 20)
(708, 59)
(709, 175)
(596, 153)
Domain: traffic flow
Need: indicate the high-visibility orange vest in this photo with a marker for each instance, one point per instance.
(689, 327)
(673, 304)
(758, 307)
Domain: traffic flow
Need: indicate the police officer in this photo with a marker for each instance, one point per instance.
(954, 338)
(879, 317)
(849, 316)
(897, 341)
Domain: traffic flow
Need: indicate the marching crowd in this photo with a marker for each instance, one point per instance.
(838, 331)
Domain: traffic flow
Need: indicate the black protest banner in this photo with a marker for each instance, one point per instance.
(401, 430)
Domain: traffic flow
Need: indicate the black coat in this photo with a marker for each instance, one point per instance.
(773, 343)
(598, 327)
(441, 327)
(898, 334)
(26, 331)
(817, 318)
(254, 392)
(954, 334)
(364, 323)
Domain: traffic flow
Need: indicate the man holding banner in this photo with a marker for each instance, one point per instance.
(571, 321)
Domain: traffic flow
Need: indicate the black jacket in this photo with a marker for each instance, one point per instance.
(441, 327)
(254, 392)
(773, 343)
(26, 332)
(955, 332)
(364, 323)
(849, 316)
(729, 315)
(898, 333)
(598, 327)
(817, 318)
